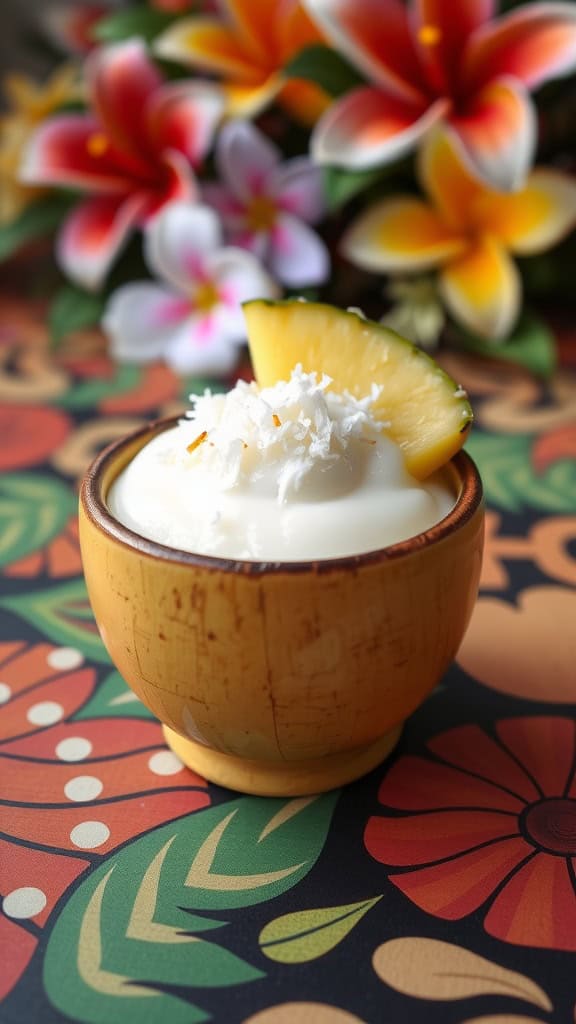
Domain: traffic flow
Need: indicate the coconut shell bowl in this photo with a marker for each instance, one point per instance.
(280, 679)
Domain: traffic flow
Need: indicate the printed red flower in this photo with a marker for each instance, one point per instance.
(489, 822)
(134, 152)
(70, 791)
(60, 557)
(30, 434)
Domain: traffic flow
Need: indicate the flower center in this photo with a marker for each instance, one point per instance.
(429, 35)
(551, 825)
(97, 144)
(206, 296)
(261, 213)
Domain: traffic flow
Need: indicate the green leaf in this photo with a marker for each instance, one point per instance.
(36, 221)
(308, 934)
(88, 393)
(113, 698)
(531, 345)
(138, 910)
(136, 21)
(33, 510)
(510, 481)
(73, 309)
(324, 67)
(341, 186)
(63, 614)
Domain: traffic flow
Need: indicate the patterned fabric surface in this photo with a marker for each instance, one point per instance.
(439, 889)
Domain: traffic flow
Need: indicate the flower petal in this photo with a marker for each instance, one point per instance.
(497, 134)
(418, 784)
(298, 257)
(207, 44)
(468, 747)
(298, 186)
(93, 235)
(121, 79)
(238, 277)
(534, 219)
(441, 32)
(184, 116)
(177, 242)
(245, 158)
(445, 178)
(295, 29)
(482, 289)
(248, 99)
(534, 43)
(59, 153)
(256, 24)
(375, 35)
(536, 907)
(545, 747)
(459, 886)
(227, 206)
(401, 233)
(140, 320)
(201, 347)
(304, 100)
(425, 838)
(368, 127)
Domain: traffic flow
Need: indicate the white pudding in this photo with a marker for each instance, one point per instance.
(281, 474)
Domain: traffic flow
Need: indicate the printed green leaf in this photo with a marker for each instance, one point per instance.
(307, 934)
(137, 21)
(531, 345)
(139, 910)
(510, 481)
(63, 614)
(33, 510)
(73, 309)
(88, 393)
(113, 698)
(35, 221)
(324, 67)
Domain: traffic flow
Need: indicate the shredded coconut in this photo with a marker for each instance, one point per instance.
(285, 431)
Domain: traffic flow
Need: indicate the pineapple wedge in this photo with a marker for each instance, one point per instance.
(424, 410)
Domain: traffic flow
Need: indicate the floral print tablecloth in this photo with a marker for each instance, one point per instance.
(440, 888)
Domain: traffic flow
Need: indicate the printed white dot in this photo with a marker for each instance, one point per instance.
(46, 713)
(25, 902)
(65, 658)
(164, 762)
(89, 834)
(83, 787)
(5, 693)
(75, 748)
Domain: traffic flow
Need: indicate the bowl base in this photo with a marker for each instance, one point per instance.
(281, 778)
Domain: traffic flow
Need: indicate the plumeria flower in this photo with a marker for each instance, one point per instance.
(135, 151)
(266, 206)
(468, 232)
(247, 47)
(29, 103)
(450, 60)
(194, 318)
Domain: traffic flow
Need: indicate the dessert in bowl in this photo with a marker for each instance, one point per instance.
(272, 580)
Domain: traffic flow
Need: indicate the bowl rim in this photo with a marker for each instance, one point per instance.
(99, 515)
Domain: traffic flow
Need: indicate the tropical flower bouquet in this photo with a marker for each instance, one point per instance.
(372, 153)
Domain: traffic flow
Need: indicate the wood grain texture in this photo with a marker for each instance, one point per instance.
(275, 663)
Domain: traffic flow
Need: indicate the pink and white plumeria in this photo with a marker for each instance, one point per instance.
(193, 320)
(134, 151)
(267, 206)
(443, 60)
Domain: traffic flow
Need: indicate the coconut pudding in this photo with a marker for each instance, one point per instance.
(293, 472)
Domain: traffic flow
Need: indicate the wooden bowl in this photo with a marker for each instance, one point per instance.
(280, 678)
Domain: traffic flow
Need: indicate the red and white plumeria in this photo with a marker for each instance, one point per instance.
(442, 60)
(134, 151)
(267, 206)
(193, 319)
